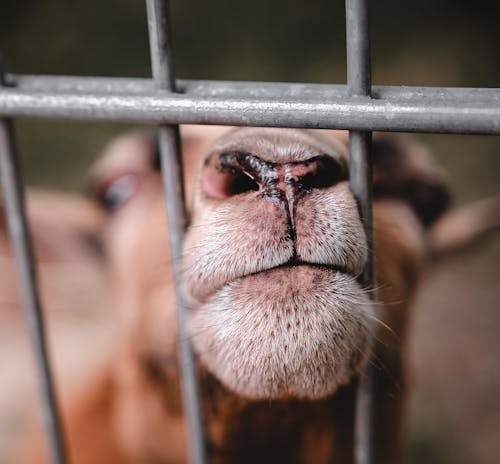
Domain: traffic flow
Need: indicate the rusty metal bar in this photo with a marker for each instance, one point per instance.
(13, 194)
(359, 87)
(160, 40)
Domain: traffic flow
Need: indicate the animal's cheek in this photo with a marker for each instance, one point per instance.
(231, 240)
(329, 230)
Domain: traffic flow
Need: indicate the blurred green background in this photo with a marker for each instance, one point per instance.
(429, 43)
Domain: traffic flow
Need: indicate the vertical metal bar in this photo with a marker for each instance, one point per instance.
(171, 162)
(359, 80)
(12, 186)
(359, 85)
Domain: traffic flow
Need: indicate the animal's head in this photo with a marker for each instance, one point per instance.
(272, 254)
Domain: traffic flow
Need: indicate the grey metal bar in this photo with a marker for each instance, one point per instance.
(446, 115)
(171, 162)
(359, 79)
(12, 187)
(388, 108)
(360, 181)
(360, 177)
(160, 40)
(249, 89)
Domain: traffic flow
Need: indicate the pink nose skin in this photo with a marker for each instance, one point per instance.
(237, 172)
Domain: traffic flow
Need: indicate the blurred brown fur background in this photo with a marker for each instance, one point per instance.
(455, 343)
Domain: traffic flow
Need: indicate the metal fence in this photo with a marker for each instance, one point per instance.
(165, 101)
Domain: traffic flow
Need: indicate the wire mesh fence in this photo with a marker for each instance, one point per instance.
(168, 102)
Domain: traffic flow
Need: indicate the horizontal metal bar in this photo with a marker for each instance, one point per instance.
(442, 110)
(250, 89)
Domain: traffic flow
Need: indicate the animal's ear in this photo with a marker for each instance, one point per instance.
(464, 227)
(404, 170)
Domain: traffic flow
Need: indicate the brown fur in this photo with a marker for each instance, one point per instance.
(133, 413)
(74, 292)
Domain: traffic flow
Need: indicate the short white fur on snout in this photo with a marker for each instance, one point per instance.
(264, 329)
(292, 332)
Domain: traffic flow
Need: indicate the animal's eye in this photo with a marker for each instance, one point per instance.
(119, 191)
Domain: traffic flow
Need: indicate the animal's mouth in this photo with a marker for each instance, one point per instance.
(297, 267)
(290, 268)
(294, 262)
(201, 287)
(294, 330)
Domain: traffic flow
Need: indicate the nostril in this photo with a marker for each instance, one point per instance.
(236, 172)
(224, 183)
(319, 172)
(241, 182)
